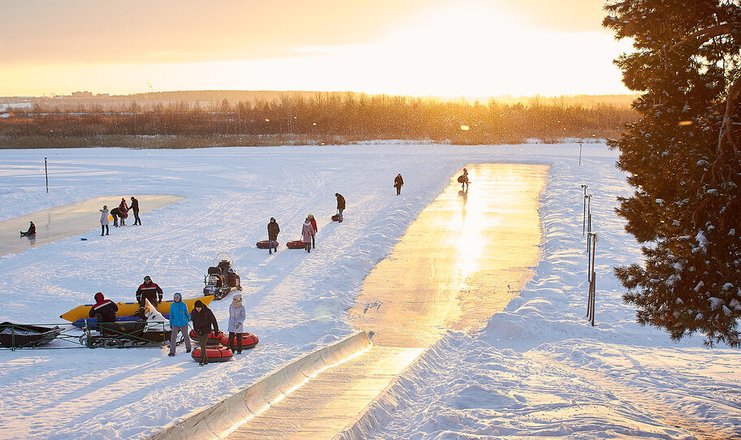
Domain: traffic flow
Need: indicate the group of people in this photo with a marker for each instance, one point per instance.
(204, 322)
(119, 213)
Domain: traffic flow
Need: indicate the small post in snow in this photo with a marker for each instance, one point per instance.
(588, 201)
(579, 153)
(592, 277)
(584, 210)
(46, 173)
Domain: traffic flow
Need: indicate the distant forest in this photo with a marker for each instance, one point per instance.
(196, 120)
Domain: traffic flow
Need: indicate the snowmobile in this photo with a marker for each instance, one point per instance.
(221, 278)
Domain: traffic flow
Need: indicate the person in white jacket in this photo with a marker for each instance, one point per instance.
(237, 315)
(104, 222)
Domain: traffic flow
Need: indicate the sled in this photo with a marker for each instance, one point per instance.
(296, 244)
(213, 354)
(152, 330)
(22, 335)
(249, 340)
(265, 244)
(128, 308)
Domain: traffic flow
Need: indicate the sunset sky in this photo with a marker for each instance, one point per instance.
(471, 48)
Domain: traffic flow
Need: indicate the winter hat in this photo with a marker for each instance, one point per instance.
(99, 297)
(198, 304)
(147, 278)
(177, 296)
(237, 297)
(311, 215)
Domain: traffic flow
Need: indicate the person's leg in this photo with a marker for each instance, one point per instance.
(102, 230)
(313, 242)
(202, 343)
(231, 341)
(106, 230)
(239, 343)
(184, 330)
(173, 339)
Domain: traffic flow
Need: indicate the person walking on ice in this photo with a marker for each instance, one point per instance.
(104, 222)
(316, 229)
(398, 183)
(463, 180)
(273, 231)
(135, 207)
(179, 318)
(237, 315)
(340, 205)
(307, 234)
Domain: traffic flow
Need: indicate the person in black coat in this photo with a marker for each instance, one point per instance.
(104, 310)
(273, 230)
(398, 183)
(340, 204)
(135, 207)
(149, 290)
(30, 232)
(204, 322)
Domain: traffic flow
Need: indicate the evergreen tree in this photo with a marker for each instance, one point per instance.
(682, 157)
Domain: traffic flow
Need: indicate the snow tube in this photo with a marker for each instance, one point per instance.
(248, 340)
(214, 354)
(336, 218)
(295, 244)
(213, 338)
(264, 244)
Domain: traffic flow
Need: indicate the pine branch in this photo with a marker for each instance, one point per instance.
(704, 35)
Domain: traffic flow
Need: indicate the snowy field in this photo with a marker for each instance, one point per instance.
(538, 369)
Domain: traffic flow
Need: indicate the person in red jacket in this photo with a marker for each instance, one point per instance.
(315, 228)
(104, 310)
(149, 290)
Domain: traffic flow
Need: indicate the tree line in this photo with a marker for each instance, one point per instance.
(345, 117)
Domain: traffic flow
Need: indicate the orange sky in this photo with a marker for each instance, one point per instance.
(471, 48)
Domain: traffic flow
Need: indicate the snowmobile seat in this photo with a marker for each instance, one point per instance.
(214, 270)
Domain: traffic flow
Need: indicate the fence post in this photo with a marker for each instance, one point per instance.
(46, 173)
(588, 200)
(584, 210)
(592, 277)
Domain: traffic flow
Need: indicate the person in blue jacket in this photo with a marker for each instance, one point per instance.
(179, 318)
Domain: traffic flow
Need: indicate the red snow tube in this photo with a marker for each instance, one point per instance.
(248, 340)
(214, 354)
(296, 244)
(264, 244)
(213, 338)
(336, 218)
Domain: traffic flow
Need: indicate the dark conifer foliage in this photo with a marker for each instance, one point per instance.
(683, 159)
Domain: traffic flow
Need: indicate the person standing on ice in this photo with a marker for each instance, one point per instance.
(135, 207)
(237, 315)
(340, 205)
(104, 310)
(398, 183)
(124, 211)
(463, 180)
(104, 222)
(273, 230)
(316, 229)
(204, 322)
(307, 234)
(179, 318)
(149, 290)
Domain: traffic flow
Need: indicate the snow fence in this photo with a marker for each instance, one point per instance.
(221, 419)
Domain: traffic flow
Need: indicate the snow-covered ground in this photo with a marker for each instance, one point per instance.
(537, 369)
